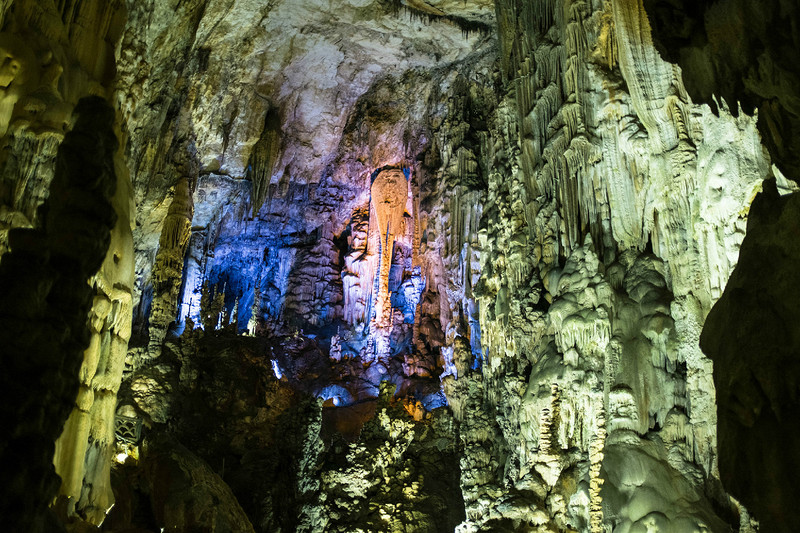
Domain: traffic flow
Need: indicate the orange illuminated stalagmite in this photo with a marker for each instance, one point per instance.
(389, 196)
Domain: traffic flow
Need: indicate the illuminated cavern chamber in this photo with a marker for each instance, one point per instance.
(397, 266)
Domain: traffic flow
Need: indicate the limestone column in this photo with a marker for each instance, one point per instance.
(168, 270)
(389, 195)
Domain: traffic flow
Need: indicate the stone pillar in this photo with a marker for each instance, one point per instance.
(44, 304)
(389, 196)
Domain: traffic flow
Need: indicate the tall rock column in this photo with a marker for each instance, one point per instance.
(44, 302)
(389, 196)
(168, 269)
(55, 53)
(85, 448)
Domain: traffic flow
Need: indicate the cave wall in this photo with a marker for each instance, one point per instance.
(572, 209)
(46, 301)
(577, 218)
(55, 55)
(614, 209)
(743, 51)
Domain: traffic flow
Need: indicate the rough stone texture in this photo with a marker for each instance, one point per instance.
(54, 55)
(84, 449)
(739, 51)
(168, 269)
(401, 475)
(572, 218)
(750, 337)
(218, 396)
(242, 63)
(45, 304)
(605, 238)
(188, 495)
(388, 198)
(568, 217)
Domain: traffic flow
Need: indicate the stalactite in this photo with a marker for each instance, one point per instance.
(607, 41)
(650, 85)
(34, 158)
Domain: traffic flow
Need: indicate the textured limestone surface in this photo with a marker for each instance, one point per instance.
(46, 300)
(55, 53)
(739, 51)
(401, 475)
(753, 345)
(612, 217)
(406, 265)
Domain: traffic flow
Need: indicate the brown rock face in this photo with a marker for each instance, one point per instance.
(389, 195)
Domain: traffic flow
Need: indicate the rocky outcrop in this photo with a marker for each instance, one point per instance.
(400, 474)
(749, 336)
(188, 495)
(736, 52)
(45, 304)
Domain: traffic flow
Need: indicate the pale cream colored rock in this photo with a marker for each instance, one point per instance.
(634, 166)
(85, 467)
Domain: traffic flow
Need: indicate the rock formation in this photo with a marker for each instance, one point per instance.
(384, 265)
(46, 303)
(736, 51)
(388, 196)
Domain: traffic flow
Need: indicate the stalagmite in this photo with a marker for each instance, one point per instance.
(168, 268)
(389, 194)
(595, 479)
(84, 450)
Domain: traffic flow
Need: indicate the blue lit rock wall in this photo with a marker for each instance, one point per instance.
(307, 262)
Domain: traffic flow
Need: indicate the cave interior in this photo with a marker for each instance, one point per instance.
(336, 266)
